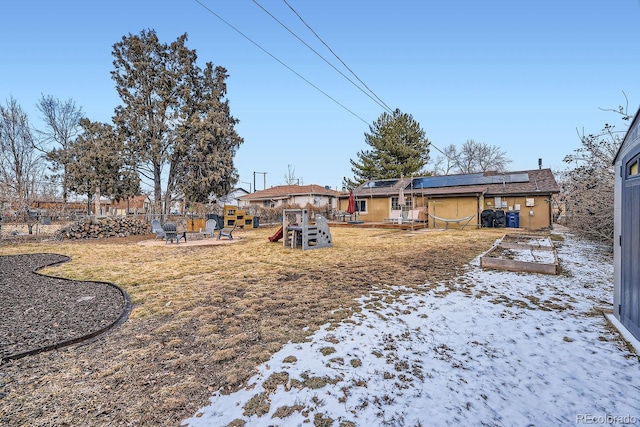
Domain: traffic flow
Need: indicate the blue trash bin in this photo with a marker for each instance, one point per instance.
(513, 219)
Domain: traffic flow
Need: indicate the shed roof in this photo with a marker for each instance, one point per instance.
(632, 133)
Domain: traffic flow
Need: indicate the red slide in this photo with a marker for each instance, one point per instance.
(276, 236)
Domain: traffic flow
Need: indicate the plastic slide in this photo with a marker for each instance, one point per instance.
(276, 236)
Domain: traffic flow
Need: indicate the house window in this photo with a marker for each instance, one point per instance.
(395, 205)
(632, 167)
(361, 205)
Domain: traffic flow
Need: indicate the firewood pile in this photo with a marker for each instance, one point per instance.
(104, 228)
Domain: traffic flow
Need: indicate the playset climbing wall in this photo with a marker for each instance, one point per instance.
(299, 233)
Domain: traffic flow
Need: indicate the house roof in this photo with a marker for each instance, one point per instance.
(238, 189)
(287, 191)
(540, 181)
(489, 183)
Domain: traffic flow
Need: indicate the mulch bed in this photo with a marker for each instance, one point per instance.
(42, 312)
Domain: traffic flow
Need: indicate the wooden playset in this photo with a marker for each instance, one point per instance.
(236, 217)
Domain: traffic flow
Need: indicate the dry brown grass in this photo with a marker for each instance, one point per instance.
(205, 316)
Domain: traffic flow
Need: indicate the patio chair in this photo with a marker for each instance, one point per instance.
(209, 227)
(228, 231)
(396, 214)
(413, 215)
(171, 233)
(157, 228)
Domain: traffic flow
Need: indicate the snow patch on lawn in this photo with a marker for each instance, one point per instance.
(486, 348)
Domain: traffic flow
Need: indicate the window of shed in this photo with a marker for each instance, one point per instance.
(633, 168)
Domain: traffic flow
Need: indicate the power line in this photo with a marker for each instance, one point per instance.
(279, 61)
(298, 74)
(377, 101)
(334, 54)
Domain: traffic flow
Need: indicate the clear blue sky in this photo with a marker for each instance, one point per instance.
(519, 75)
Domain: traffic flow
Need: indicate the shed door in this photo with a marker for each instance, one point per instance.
(630, 250)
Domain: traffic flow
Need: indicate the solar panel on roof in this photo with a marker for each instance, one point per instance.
(469, 179)
(380, 184)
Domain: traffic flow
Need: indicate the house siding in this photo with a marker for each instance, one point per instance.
(452, 208)
(455, 202)
(534, 217)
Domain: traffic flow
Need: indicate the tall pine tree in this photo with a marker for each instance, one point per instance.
(174, 117)
(398, 148)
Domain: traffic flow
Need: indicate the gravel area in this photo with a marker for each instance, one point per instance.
(42, 312)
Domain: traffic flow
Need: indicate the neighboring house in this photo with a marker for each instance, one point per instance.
(626, 242)
(137, 205)
(178, 205)
(60, 207)
(460, 196)
(232, 197)
(301, 195)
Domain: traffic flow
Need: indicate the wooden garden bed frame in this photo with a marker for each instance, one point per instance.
(489, 260)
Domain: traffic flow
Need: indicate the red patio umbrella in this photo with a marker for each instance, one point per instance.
(351, 209)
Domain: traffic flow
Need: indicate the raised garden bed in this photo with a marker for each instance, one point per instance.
(531, 254)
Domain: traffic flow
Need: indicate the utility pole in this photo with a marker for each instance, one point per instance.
(246, 182)
(264, 176)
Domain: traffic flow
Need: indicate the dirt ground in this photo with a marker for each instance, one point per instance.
(205, 316)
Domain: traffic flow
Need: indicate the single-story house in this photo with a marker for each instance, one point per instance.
(58, 207)
(287, 195)
(626, 228)
(136, 205)
(232, 197)
(442, 200)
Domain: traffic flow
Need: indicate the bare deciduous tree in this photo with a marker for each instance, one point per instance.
(491, 158)
(445, 163)
(587, 187)
(62, 125)
(290, 177)
(471, 157)
(20, 166)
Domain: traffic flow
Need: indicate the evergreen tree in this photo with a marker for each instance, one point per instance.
(398, 148)
(98, 164)
(206, 141)
(174, 115)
